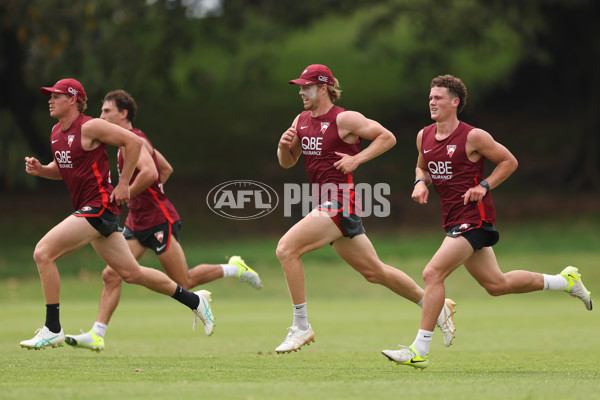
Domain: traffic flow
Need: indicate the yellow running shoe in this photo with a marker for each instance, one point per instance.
(246, 274)
(87, 340)
(575, 286)
(407, 356)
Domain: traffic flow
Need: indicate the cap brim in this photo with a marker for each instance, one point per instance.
(302, 82)
(46, 91)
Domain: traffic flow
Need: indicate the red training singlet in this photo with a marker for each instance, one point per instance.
(86, 173)
(453, 174)
(151, 207)
(320, 140)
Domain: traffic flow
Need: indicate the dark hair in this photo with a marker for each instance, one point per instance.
(456, 88)
(123, 101)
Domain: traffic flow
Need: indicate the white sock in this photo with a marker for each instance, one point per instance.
(99, 329)
(420, 303)
(230, 270)
(300, 317)
(554, 282)
(422, 342)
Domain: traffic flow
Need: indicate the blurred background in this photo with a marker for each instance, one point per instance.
(210, 80)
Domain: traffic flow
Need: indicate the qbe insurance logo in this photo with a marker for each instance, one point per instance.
(242, 199)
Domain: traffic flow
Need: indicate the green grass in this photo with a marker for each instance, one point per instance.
(532, 346)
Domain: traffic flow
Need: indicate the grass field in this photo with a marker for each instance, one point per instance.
(533, 346)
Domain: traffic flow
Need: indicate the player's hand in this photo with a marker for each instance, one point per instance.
(120, 194)
(346, 164)
(32, 166)
(420, 193)
(286, 139)
(474, 194)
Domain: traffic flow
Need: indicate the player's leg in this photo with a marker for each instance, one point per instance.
(483, 266)
(360, 254)
(115, 251)
(69, 235)
(312, 232)
(452, 254)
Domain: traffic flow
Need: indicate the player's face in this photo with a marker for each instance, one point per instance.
(59, 104)
(441, 104)
(309, 96)
(111, 113)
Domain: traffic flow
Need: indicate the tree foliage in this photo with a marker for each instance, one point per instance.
(214, 89)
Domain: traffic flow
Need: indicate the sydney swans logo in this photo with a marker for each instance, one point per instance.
(242, 200)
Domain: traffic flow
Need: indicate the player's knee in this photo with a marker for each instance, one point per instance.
(432, 276)
(41, 254)
(283, 251)
(495, 289)
(110, 277)
(371, 276)
(132, 275)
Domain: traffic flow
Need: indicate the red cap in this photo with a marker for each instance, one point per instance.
(66, 86)
(315, 74)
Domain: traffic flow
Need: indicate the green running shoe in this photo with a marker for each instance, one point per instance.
(407, 356)
(575, 286)
(87, 340)
(246, 274)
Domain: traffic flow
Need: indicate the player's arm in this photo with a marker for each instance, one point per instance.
(289, 149)
(420, 192)
(147, 174)
(482, 144)
(353, 125)
(48, 171)
(164, 168)
(96, 131)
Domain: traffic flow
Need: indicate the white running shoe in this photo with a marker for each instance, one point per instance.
(295, 339)
(575, 286)
(87, 340)
(44, 338)
(446, 322)
(204, 312)
(246, 274)
(407, 355)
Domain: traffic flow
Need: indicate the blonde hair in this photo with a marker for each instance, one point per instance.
(82, 105)
(334, 91)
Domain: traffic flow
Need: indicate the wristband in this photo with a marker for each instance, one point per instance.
(485, 185)
(419, 180)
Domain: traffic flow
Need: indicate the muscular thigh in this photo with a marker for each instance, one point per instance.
(483, 266)
(115, 252)
(358, 252)
(312, 232)
(174, 262)
(69, 235)
(452, 254)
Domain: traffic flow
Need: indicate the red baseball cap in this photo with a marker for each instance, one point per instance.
(315, 74)
(66, 86)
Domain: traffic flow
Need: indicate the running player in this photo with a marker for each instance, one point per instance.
(152, 223)
(80, 160)
(452, 155)
(329, 138)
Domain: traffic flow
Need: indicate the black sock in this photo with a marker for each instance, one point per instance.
(186, 297)
(52, 318)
